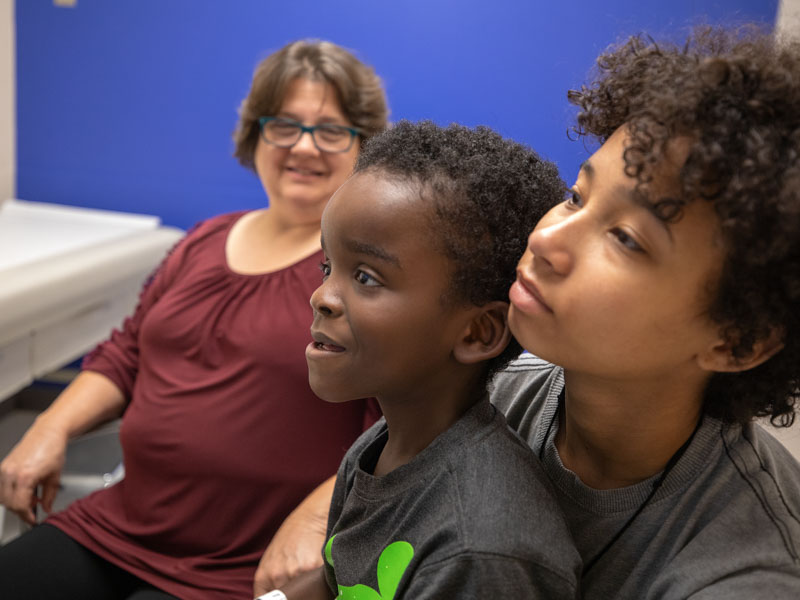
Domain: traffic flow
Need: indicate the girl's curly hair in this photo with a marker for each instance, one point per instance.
(736, 95)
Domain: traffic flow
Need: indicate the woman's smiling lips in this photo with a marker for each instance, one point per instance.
(303, 172)
(324, 343)
(526, 296)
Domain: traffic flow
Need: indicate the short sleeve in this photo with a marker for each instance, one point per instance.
(481, 576)
(781, 584)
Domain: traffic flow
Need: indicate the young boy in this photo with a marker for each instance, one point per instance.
(440, 499)
(666, 289)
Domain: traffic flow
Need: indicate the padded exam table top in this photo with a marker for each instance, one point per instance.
(68, 275)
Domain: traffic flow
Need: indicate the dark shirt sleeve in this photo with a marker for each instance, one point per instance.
(481, 576)
(783, 584)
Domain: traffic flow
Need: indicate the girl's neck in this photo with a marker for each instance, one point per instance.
(414, 421)
(614, 434)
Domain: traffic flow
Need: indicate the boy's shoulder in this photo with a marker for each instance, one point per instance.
(474, 504)
(505, 500)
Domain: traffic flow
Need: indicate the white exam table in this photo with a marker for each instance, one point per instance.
(68, 276)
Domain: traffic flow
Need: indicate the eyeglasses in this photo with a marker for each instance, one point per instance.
(285, 133)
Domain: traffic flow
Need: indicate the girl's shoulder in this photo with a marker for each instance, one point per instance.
(524, 389)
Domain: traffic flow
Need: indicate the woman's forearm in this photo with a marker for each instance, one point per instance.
(91, 399)
(296, 547)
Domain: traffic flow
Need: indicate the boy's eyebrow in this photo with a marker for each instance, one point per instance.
(372, 250)
(636, 198)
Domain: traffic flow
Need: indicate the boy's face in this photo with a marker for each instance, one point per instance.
(606, 288)
(380, 328)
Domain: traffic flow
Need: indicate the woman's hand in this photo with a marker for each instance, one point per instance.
(39, 456)
(35, 461)
(297, 545)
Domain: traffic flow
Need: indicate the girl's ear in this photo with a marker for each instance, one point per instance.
(720, 359)
(486, 335)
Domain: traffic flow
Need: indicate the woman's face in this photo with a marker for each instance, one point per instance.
(607, 288)
(300, 180)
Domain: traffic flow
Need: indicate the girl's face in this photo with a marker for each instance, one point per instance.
(608, 289)
(300, 180)
(380, 328)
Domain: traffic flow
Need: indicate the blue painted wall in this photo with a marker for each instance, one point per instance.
(130, 104)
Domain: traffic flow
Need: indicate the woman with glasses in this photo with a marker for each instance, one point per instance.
(221, 435)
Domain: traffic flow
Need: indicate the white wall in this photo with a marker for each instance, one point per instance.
(8, 94)
(788, 18)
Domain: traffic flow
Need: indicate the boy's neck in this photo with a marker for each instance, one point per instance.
(415, 421)
(613, 435)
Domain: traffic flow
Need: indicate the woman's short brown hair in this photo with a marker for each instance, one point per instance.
(359, 90)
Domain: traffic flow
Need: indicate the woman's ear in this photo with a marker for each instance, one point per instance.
(720, 359)
(486, 335)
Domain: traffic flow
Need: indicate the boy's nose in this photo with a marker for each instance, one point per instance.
(324, 310)
(323, 301)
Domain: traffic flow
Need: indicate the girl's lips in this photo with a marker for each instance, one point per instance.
(526, 296)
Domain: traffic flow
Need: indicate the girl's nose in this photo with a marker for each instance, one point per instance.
(553, 245)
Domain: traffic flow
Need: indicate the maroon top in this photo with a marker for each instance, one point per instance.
(222, 436)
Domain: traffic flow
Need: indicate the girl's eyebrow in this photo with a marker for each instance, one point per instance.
(633, 196)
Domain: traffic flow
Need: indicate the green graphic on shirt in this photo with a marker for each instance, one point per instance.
(392, 563)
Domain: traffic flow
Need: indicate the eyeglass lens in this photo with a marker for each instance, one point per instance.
(328, 138)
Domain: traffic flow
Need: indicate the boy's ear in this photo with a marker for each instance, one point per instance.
(720, 359)
(486, 335)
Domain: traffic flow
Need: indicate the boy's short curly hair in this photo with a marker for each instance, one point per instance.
(487, 195)
(736, 94)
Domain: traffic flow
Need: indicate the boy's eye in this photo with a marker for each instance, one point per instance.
(365, 278)
(325, 267)
(626, 240)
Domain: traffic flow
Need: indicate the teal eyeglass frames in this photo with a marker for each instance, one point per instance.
(327, 137)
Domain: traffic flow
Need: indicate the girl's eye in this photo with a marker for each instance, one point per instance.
(325, 267)
(573, 199)
(365, 278)
(626, 240)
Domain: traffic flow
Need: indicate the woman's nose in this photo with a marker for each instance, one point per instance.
(554, 245)
(305, 145)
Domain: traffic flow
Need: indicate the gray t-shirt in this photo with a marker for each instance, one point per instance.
(724, 525)
(471, 516)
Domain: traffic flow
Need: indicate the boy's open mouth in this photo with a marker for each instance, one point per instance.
(328, 347)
